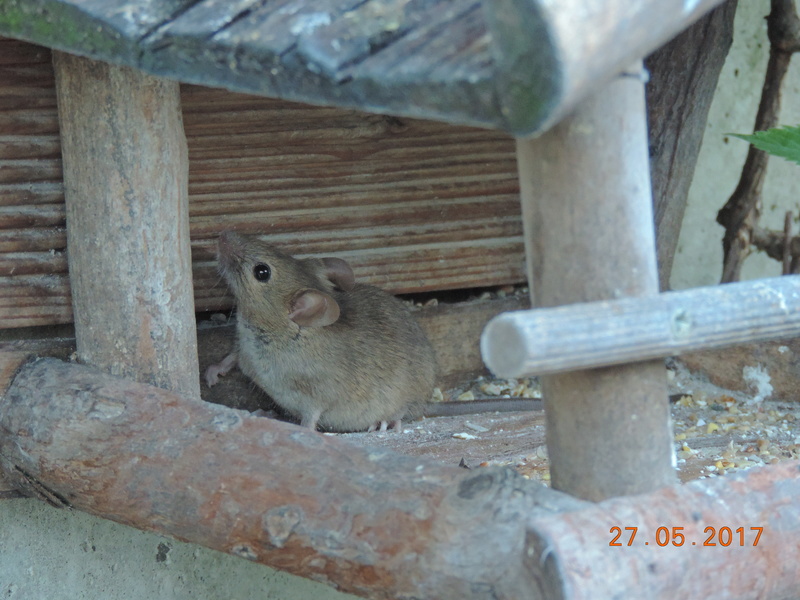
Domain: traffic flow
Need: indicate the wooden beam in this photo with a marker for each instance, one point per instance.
(551, 56)
(613, 332)
(375, 523)
(366, 520)
(125, 178)
(683, 78)
(588, 222)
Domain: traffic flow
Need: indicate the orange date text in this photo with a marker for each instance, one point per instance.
(675, 536)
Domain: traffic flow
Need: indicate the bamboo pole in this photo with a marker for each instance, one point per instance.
(125, 182)
(588, 221)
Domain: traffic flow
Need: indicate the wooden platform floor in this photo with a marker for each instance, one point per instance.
(717, 431)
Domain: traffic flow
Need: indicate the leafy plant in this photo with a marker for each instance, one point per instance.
(780, 141)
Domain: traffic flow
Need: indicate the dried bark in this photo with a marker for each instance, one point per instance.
(576, 552)
(741, 212)
(683, 78)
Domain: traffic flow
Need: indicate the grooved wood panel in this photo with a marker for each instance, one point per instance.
(412, 205)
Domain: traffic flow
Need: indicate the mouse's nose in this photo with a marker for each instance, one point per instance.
(230, 248)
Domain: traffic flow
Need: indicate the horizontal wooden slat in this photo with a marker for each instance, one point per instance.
(412, 205)
(612, 332)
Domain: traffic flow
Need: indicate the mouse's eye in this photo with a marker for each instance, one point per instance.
(262, 272)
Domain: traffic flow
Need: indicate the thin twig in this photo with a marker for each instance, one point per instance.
(787, 244)
(740, 214)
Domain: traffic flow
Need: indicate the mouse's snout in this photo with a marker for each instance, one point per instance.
(230, 249)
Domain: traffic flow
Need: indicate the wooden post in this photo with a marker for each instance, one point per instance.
(125, 180)
(587, 214)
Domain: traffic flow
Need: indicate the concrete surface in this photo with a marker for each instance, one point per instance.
(52, 554)
(698, 260)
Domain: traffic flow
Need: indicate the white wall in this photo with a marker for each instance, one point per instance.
(699, 257)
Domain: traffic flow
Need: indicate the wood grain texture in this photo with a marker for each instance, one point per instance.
(517, 65)
(581, 564)
(126, 178)
(412, 205)
(683, 79)
(613, 332)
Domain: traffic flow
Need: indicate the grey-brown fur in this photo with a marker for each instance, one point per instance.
(359, 360)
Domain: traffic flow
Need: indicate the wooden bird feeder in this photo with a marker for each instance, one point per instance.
(124, 435)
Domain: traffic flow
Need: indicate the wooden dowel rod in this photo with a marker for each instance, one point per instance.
(588, 221)
(125, 184)
(612, 332)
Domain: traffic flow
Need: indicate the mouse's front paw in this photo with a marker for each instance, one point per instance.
(214, 372)
(212, 375)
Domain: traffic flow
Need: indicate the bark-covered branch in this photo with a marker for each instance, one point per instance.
(375, 523)
(366, 520)
(740, 214)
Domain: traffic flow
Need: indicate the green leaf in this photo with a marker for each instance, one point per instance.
(781, 141)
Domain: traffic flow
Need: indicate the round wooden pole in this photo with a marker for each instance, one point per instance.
(587, 213)
(125, 180)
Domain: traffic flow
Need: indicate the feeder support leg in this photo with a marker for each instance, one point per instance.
(125, 179)
(588, 219)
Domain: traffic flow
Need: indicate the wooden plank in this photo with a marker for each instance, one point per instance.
(614, 332)
(32, 299)
(590, 42)
(126, 179)
(683, 79)
(519, 65)
(413, 205)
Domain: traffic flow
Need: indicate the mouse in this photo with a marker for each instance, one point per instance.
(335, 353)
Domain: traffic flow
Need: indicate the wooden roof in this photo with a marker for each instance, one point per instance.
(515, 65)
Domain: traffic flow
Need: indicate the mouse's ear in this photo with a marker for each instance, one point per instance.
(339, 273)
(312, 308)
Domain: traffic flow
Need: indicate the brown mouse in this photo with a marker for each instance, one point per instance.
(336, 353)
